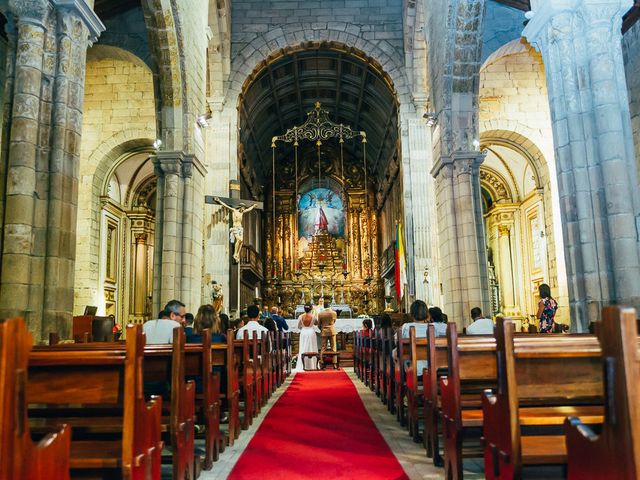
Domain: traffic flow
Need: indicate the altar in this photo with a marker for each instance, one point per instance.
(343, 325)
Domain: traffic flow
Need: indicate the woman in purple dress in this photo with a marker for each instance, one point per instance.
(547, 307)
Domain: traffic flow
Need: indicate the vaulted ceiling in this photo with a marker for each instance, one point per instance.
(350, 87)
(105, 9)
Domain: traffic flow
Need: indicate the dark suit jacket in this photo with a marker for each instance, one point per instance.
(280, 322)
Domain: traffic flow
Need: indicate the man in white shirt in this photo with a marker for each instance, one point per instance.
(161, 330)
(480, 325)
(252, 325)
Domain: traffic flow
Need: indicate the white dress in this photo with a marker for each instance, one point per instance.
(308, 343)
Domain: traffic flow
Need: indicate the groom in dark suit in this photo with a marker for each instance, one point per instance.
(327, 322)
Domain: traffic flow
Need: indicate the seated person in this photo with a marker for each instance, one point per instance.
(480, 325)
(252, 325)
(188, 324)
(420, 316)
(161, 330)
(207, 318)
(439, 321)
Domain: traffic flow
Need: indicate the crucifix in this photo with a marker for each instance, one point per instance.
(237, 208)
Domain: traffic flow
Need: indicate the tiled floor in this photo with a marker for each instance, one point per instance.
(411, 456)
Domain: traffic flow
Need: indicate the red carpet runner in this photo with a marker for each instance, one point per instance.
(319, 428)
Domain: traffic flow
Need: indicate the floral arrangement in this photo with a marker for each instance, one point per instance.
(116, 328)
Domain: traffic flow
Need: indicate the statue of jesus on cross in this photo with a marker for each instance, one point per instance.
(236, 230)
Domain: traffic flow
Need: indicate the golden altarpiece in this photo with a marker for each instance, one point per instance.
(326, 232)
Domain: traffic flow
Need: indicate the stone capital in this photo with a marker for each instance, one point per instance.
(168, 163)
(30, 11)
(461, 162)
(82, 10)
(191, 162)
(543, 12)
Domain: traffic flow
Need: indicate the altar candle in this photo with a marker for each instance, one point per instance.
(279, 299)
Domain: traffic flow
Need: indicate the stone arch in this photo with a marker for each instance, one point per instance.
(514, 47)
(290, 38)
(523, 145)
(165, 44)
(100, 52)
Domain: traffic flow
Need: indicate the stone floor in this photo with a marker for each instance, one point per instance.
(411, 456)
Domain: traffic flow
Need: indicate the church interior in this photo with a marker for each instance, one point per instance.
(338, 238)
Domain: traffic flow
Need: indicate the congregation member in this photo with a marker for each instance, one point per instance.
(225, 323)
(188, 324)
(385, 322)
(419, 313)
(161, 330)
(207, 318)
(252, 324)
(439, 321)
(280, 321)
(547, 308)
(480, 325)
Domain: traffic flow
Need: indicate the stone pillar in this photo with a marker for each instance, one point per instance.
(177, 248)
(581, 45)
(506, 269)
(419, 187)
(41, 155)
(461, 233)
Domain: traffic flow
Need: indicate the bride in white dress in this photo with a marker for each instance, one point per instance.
(307, 324)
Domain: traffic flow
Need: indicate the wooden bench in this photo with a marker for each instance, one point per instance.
(541, 380)
(20, 457)
(471, 368)
(198, 365)
(246, 379)
(418, 354)
(309, 356)
(402, 346)
(330, 358)
(98, 390)
(436, 367)
(388, 369)
(615, 453)
(224, 360)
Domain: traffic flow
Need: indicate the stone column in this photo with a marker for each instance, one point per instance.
(461, 232)
(41, 154)
(178, 246)
(506, 269)
(419, 187)
(581, 45)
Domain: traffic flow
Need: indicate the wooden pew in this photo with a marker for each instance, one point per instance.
(471, 368)
(378, 352)
(99, 391)
(198, 364)
(389, 368)
(20, 457)
(246, 379)
(225, 360)
(414, 375)
(615, 453)
(541, 380)
(258, 385)
(436, 367)
(402, 346)
(167, 361)
(357, 355)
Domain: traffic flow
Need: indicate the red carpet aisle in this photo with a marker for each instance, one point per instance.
(318, 429)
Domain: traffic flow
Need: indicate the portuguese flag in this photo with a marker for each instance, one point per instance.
(401, 265)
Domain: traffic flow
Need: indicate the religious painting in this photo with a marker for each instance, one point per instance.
(320, 210)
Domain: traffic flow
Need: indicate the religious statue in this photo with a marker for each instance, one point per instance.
(236, 232)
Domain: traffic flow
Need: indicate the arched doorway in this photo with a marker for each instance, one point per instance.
(127, 225)
(518, 225)
(352, 90)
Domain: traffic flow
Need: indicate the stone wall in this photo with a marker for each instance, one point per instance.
(630, 45)
(119, 115)
(502, 24)
(513, 103)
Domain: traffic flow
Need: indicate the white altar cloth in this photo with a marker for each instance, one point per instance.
(346, 325)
